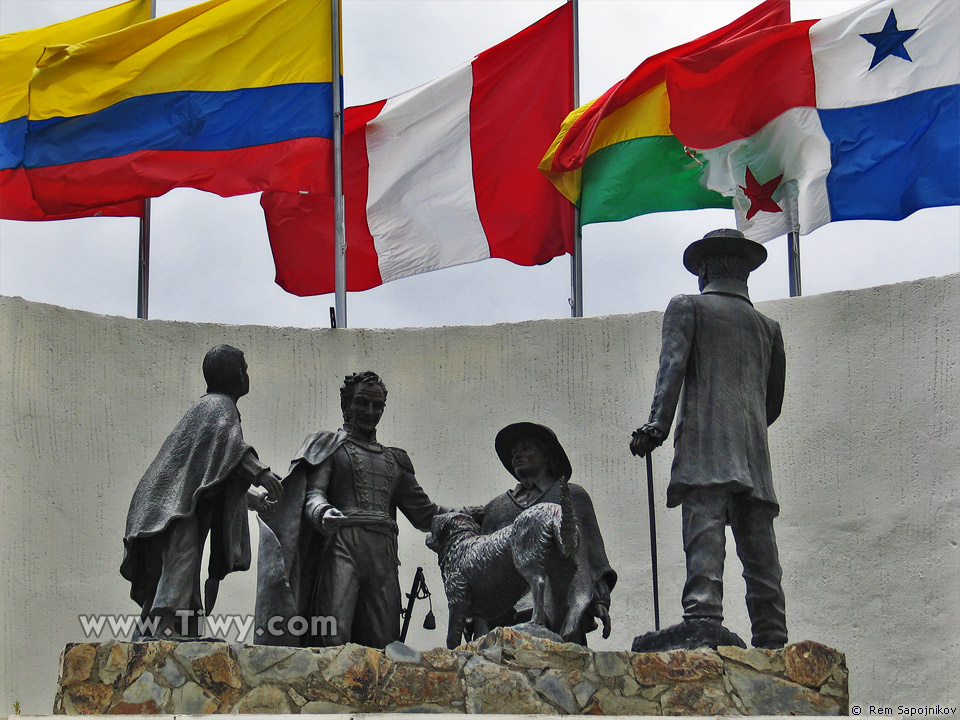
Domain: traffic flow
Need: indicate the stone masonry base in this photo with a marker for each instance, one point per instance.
(505, 672)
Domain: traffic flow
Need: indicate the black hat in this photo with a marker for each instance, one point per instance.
(512, 434)
(724, 242)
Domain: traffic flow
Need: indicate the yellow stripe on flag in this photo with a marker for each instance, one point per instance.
(20, 51)
(568, 183)
(219, 45)
(647, 115)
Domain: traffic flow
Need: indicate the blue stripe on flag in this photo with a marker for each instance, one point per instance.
(11, 142)
(893, 158)
(185, 121)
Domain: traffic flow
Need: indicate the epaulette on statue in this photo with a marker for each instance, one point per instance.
(401, 455)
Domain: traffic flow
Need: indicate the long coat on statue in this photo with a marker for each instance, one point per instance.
(195, 462)
(290, 549)
(729, 361)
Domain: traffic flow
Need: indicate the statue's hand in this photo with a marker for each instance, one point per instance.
(258, 501)
(474, 511)
(331, 520)
(600, 611)
(644, 441)
(270, 482)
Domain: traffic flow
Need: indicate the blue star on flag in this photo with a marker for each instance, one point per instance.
(889, 41)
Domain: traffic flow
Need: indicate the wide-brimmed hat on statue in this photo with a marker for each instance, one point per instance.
(512, 434)
(724, 242)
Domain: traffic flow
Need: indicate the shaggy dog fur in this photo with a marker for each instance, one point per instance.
(485, 575)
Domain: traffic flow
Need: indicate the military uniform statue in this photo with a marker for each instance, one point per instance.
(337, 529)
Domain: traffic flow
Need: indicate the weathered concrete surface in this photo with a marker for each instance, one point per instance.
(865, 463)
(529, 675)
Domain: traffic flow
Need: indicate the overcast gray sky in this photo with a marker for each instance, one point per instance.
(211, 259)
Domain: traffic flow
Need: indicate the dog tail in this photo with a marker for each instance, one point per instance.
(569, 532)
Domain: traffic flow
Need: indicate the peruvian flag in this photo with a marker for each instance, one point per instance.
(443, 174)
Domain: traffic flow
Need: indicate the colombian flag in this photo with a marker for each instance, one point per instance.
(18, 58)
(228, 96)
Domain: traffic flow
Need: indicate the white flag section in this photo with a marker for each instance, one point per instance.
(842, 56)
(421, 164)
(792, 149)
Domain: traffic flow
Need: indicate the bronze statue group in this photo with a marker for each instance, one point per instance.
(533, 555)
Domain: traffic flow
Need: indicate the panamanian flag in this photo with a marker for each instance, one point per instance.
(856, 116)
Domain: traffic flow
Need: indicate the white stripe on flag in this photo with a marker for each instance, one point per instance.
(842, 57)
(421, 203)
(793, 145)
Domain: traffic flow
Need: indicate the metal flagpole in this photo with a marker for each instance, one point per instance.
(143, 265)
(340, 241)
(793, 262)
(143, 262)
(576, 259)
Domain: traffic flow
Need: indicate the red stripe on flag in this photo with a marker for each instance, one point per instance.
(303, 163)
(522, 90)
(17, 203)
(301, 229)
(731, 91)
(575, 146)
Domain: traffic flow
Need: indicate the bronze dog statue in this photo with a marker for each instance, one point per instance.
(485, 575)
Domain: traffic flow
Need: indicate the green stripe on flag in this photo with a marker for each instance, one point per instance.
(643, 175)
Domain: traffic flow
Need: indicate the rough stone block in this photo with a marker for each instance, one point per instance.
(264, 699)
(191, 699)
(143, 697)
(260, 664)
(766, 695)
(698, 698)
(408, 686)
(676, 666)
(76, 663)
(91, 699)
(210, 665)
(768, 661)
(611, 664)
(491, 688)
(810, 663)
(554, 687)
(612, 703)
(355, 672)
(398, 652)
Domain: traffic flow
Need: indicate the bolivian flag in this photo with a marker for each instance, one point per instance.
(616, 157)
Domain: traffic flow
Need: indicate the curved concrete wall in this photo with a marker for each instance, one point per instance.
(865, 461)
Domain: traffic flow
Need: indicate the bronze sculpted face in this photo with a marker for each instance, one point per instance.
(366, 407)
(243, 379)
(529, 458)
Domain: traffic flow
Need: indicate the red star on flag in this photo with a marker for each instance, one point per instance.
(760, 196)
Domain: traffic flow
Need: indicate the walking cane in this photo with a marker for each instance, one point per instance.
(653, 541)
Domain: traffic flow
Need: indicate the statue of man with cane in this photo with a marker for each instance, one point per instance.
(729, 362)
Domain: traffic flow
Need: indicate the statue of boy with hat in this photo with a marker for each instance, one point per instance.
(533, 455)
(728, 360)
